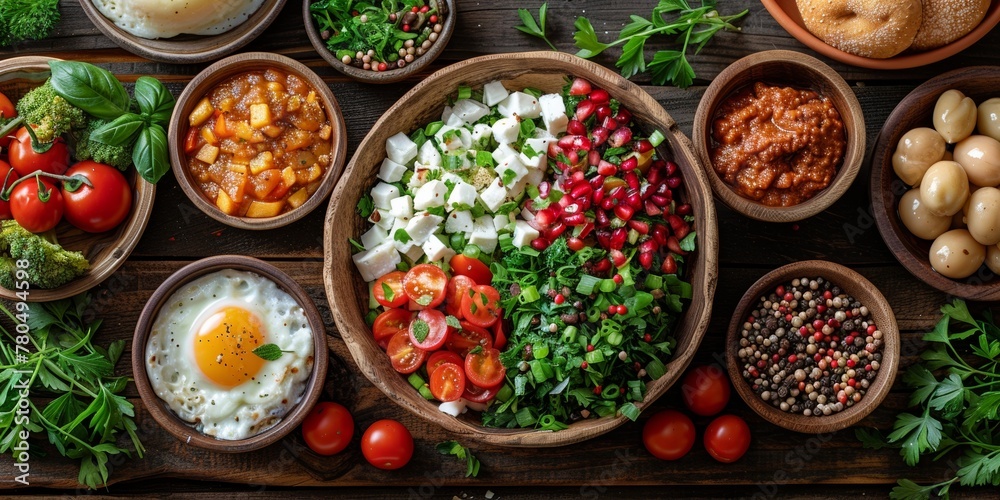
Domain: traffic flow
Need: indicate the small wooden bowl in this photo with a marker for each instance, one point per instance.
(392, 75)
(106, 251)
(915, 110)
(854, 285)
(187, 48)
(162, 413)
(221, 71)
(348, 294)
(782, 67)
(786, 12)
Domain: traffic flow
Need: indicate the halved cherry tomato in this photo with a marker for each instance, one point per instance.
(481, 305)
(5, 170)
(405, 357)
(389, 291)
(458, 286)
(499, 335)
(448, 382)
(484, 368)
(425, 284)
(468, 338)
(474, 268)
(478, 394)
(438, 358)
(389, 323)
(7, 112)
(429, 330)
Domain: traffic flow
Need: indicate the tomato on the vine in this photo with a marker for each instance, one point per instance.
(26, 161)
(37, 204)
(706, 390)
(463, 265)
(102, 206)
(727, 438)
(328, 428)
(668, 435)
(388, 290)
(7, 177)
(387, 444)
(7, 112)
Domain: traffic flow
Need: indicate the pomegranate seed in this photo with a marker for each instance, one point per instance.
(601, 218)
(651, 209)
(618, 278)
(599, 96)
(629, 163)
(634, 200)
(584, 109)
(594, 158)
(617, 193)
(603, 265)
(603, 111)
(671, 168)
(624, 212)
(676, 223)
(607, 168)
(598, 196)
(610, 123)
(603, 238)
(612, 310)
(556, 210)
(623, 117)
(555, 231)
(599, 135)
(659, 201)
(581, 191)
(631, 179)
(559, 299)
(567, 200)
(543, 189)
(622, 309)
(545, 217)
(646, 260)
(577, 219)
(597, 182)
(584, 204)
(577, 176)
(573, 157)
(579, 87)
(648, 245)
(663, 189)
(684, 209)
(674, 245)
(575, 244)
(434, 18)
(620, 137)
(654, 176)
(642, 145)
(682, 232)
(584, 365)
(617, 257)
(554, 150)
(609, 203)
(571, 209)
(618, 237)
(587, 228)
(669, 265)
(576, 127)
(674, 182)
(539, 244)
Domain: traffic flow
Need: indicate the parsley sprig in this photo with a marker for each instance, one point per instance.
(957, 398)
(533, 28)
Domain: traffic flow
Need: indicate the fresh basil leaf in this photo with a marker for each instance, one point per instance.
(155, 101)
(90, 88)
(119, 132)
(420, 330)
(150, 153)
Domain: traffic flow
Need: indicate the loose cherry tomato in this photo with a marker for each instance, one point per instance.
(328, 428)
(102, 207)
(7, 112)
(478, 394)
(668, 435)
(425, 284)
(458, 286)
(705, 390)
(484, 368)
(9, 175)
(389, 323)
(387, 444)
(438, 358)
(388, 290)
(481, 305)
(448, 382)
(26, 161)
(37, 205)
(468, 338)
(429, 330)
(463, 265)
(404, 356)
(727, 438)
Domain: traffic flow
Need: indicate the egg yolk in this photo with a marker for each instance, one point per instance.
(224, 346)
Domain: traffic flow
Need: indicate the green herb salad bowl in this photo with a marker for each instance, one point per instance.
(548, 72)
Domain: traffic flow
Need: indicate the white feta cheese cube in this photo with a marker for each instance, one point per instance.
(481, 134)
(494, 195)
(502, 152)
(374, 237)
(402, 207)
(422, 226)
(382, 218)
(420, 175)
(539, 149)
(451, 138)
(434, 249)
(511, 170)
(501, 221)
(462, 194)
(553, 113)
(469, 110)
(391, 171)
(505, 130)
(494, 92)
(431, 194)
(399, 225)
(459, 221)
(446, 114)
(378, 261)
(428, 154)
(414, 252)
(454, 120)
(527, 215)
(483, 234)
(515, 190)
(523, 234)
(535, 176)
(520, 105)
(453, 408)
(383, 193)
(400, 149)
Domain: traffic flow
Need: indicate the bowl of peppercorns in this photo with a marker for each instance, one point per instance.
(813, 347)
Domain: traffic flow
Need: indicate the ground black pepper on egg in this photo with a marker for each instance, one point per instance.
(810, 348)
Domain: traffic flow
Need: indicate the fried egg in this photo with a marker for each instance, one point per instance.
(200, 358)
(168, 18)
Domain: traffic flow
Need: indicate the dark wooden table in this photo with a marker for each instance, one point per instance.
(779, 463)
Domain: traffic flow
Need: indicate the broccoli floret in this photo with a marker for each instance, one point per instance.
(116, 156)
(49, 265)
(50, 114)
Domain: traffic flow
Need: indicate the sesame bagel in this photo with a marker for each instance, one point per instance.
(948, 20)
(868, 28)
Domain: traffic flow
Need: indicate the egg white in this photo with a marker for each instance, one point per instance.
(255, 405)
(168, 18)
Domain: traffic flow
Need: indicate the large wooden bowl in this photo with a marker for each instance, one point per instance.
(187, 48)
(159, 409)
(392, 75)
(786, 12)
(105, 251)
(854, 285)
(782, 67)
(915, 110)
(215, 74)
(348, 294)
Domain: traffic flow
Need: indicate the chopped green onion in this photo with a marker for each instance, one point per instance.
(653, 282)
(608, 285)
(655, 368)
(528, 295)
(471, 250)
(525, 417)
(505, 393)
(596, 356)
(569, 334)
(372, 303)
(549, 423)
(464, 92)
(433, 127)
(656, 138)
(610, 391)
(615, 338)
(418, 383)
(629, 410)
(587, 284)
(540, 350)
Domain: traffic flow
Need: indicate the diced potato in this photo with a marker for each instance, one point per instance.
(276, 87)
(265, 183)
(208, 153)
(201, 113)
(265, 209)
(288, 176)
(304, 159)
(248, 134)
(311, 96)
(260, 115)
(298, 198)
(297, 139)
(225, 203)
(325, 132)
(294, 103)
(226, 104)
(236, 167)
(234, 184)
(272, 131)
(261, 162)
(308, 175)
(209, 136)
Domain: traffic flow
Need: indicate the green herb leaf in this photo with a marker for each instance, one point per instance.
(959, 311)
(90, 88)
(586, 39)
(268, 352)
(150, 154)
(121, 131)
(366, 206)
(908, 490)
(917, 434)
(462, 453)
(388, 292)
(401, 236)
(632, 60)
(420, 329)
(870, 438)
(688, 242)
(453, 322)
(529, 26)
(155, 101)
